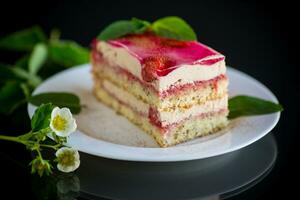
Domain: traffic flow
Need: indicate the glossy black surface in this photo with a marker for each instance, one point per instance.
(219, 177)
(258, 38)
(204, 178)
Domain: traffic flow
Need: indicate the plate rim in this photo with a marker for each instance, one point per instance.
(141, 158)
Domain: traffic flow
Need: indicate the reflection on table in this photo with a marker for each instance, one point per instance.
(213, 178)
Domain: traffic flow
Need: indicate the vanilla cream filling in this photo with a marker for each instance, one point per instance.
(121, 57)
(165, 117)
(125, 59)
(189, 73)
(126, 98)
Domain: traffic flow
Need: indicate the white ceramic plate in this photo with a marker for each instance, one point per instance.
(102, 132)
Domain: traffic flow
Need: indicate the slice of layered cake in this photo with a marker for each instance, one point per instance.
(174, 90)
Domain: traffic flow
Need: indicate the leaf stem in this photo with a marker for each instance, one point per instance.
(11, 138)
(26, 136)
(39, 153)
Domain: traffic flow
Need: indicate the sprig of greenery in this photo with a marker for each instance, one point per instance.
(43, 58)
(35, 140)
(170, 27)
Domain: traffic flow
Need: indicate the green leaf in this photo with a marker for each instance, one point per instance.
(41, 117)
(68, 53)
(37, 58)
(26, 90)
(248, 105)
(23, 40)
(173, 27)
(22, 62)
(141, 24)
(33, 80)
(14, 73)
(11, 97)
(60, 99)
(123, 27)
(6, 73)
(170, 27)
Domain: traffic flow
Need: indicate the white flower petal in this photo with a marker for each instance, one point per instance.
(54, 112)
(60, 151)
(60, 133)
(66, 113)
(62, 168)
(72, 126)
(64, 133)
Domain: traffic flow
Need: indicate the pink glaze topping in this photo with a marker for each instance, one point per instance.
(173, 90)
(159, 56)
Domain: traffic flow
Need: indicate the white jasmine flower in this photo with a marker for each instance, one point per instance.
(62, 122)
(68, 159)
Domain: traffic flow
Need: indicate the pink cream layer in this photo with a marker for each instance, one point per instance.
(173, 90)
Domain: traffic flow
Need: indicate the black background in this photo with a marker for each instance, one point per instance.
(256, 37)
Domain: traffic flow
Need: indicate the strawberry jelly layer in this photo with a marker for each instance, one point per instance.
(179, 89)
(166, 129)
(175, 52)
(98, 60)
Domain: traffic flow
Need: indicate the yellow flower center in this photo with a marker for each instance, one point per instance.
(67, 158)
(59, 123)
